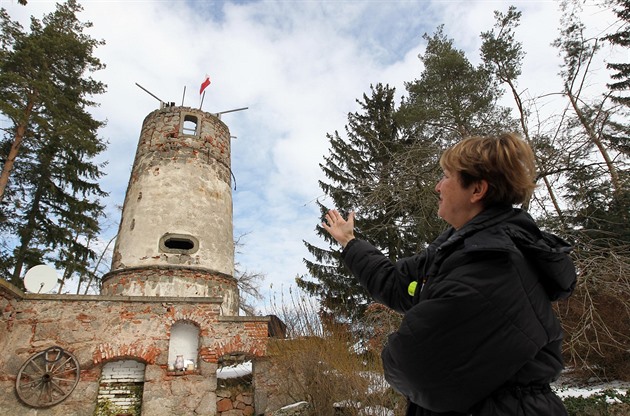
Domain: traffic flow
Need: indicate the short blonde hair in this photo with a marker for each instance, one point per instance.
(505, 161)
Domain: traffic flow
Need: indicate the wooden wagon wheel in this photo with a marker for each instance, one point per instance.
(47, 378)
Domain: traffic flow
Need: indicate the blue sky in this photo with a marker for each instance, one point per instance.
(299, 66)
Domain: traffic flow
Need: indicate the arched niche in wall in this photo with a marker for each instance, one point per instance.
(183, 347)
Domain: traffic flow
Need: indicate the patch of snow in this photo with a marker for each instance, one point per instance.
(571, 386)
(347, 403)
(364, 411)
(378, 384)
(291, 406)
(587, 390)
(376, 411)
(235, 371)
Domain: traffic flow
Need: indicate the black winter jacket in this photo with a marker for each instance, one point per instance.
(479, 336)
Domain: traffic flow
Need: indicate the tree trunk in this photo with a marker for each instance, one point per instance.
(25, 239)
(594, 137)
(15, 147)
(98, 262)
(26, 235)
(523, 120)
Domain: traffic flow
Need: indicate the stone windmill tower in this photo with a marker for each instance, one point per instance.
(175, 237)
(167, 318)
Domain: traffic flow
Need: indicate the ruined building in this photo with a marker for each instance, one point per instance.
(151, 343)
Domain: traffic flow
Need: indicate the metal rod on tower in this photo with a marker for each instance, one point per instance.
(202, 97)
(150, 93)
(183, 95)
(231, 111)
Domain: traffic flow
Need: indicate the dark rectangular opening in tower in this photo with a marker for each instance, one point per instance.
(179, 244)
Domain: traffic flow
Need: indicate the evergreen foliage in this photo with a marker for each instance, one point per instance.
(386, 167)
(592, 174)
(51, 203)
(356, 167)
(452, 99)
(593, 143)
(620, 38)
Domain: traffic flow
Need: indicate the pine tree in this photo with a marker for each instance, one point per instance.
(44, 76)
(452, 99)
(51, 208)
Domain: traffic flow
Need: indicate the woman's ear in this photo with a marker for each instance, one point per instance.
(480, 189)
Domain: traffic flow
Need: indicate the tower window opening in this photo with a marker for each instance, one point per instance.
(190, 125)
(179, 243)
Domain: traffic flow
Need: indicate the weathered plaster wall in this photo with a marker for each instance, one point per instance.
(173, 261)
(180, 184)
(174, 281)
(99, 329)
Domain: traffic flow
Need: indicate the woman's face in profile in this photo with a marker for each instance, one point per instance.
(456, 205)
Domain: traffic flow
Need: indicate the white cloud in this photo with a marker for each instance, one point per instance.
(299, 67)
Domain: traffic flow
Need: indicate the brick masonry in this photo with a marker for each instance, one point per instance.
(121, 385)
(104, 329)
(173, 281)
(173, 263)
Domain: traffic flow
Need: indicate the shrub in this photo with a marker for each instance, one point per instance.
(325, 364)
(605, 403)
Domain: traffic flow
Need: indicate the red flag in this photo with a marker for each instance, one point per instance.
(204, 84)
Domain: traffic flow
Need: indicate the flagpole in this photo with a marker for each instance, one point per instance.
(202, 97)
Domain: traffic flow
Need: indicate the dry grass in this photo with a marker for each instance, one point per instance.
(323, 364)
(596, 318)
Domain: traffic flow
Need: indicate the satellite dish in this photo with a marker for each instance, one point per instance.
(40, 279)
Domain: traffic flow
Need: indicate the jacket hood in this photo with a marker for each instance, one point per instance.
(547, 252)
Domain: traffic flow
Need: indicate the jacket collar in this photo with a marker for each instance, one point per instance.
(487, 218)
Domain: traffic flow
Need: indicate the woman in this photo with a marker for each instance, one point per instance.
(478, 336)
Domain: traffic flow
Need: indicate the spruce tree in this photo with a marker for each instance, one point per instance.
(357, 167)
(387, 167)
(61, 214)
(621, 74)
(51, 202)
